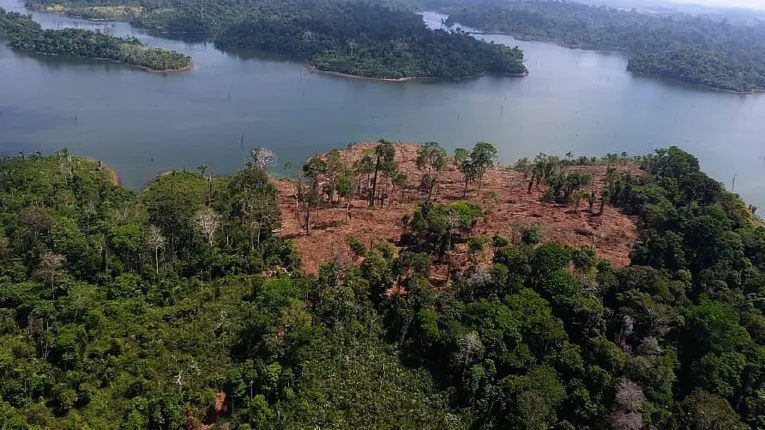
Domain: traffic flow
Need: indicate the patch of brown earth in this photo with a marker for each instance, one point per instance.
(218, 410)
(503, 196)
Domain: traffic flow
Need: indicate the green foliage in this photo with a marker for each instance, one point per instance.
(564, 186)
(705, 50)
(475, 164)
(369, 40)
(436, 228)
(431, 160)
(370, 388)
(531, 234)
(356, 246)
(125, 310)
(28, 36)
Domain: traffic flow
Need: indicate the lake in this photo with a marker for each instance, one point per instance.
(141, 123)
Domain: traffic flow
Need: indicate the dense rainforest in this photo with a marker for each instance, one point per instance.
(27, 36)
(345, 37)
(372, 41)
(691, 48)
(178, 306)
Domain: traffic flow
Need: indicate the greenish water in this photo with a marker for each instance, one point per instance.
(581, 101)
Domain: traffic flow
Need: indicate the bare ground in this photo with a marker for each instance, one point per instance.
(503, 196)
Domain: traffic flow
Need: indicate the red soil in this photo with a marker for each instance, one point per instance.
(612, 234)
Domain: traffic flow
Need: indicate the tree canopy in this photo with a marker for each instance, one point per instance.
(357, 38)
(177, 307)
(710, 51)
(372, 41)
(27, 36)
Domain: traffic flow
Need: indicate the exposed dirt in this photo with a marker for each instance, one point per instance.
(215, 412)
(503, 196)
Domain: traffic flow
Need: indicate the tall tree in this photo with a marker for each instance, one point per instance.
(334, 168)
(431, 159)
(385, 162)
(313, 172)
(482, 157)
(206, 221)
(155, 241)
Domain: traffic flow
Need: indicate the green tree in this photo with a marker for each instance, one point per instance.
(482, 157)
(431, 159)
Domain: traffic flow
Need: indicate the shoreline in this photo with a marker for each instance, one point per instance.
(696, 85)
(621, 53)
(312, 68)
(115, 177)
(35, 7)
(142, 68)
(146, 69)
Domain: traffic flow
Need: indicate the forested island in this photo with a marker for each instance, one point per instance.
(352, 38)
(372, 41)
(696, 49)
(182, 305)
(27, 36)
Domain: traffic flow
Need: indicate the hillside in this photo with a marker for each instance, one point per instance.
(186, 305)
(503, 195)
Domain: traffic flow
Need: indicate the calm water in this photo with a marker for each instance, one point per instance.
(141, 123)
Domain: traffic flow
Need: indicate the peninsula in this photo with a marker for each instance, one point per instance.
(719, 53)
(25, 35)
(372, 41)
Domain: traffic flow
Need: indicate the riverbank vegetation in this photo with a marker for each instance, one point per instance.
(695, 49)
(181, 307)
(27, 36)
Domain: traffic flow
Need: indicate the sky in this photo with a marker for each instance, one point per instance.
(752, 4)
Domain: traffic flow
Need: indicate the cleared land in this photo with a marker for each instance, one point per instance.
(503, 196)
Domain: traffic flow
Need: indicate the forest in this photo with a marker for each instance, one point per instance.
(357, 38)
(696, 49)
(25, 35)
(180, 306)
(372, 41)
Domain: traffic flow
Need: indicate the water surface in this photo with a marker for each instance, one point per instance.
(580, 101)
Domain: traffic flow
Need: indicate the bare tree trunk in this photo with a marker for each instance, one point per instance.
(156, 259)
(374, 184)
(308, 219)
